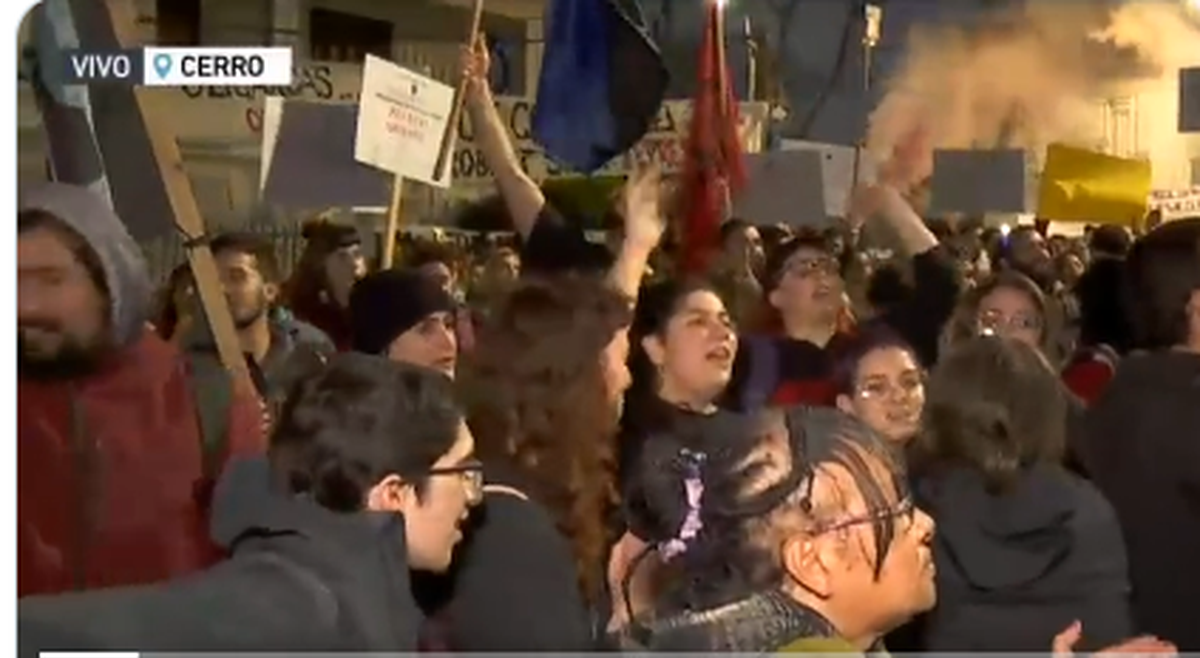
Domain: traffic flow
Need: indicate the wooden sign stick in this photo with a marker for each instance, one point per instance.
(393, 223)
(184, 208)
(460, 98)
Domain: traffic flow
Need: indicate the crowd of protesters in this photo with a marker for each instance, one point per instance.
(984, 442)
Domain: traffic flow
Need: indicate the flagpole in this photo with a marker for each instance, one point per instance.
(722, 73)
(460, 98)
(872, 20)
(751, 60)
(722, 97)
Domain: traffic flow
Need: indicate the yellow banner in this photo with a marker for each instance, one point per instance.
(1084, 186)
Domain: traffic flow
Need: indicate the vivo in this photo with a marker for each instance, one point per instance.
(91, 67)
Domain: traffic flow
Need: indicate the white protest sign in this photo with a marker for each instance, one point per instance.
(977, 182)
(401, 118)
(1189, 100)
(837, 171)
(1176, 204)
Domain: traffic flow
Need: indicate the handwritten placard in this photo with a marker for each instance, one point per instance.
(663, 145)
(401, 118)
(1176, 204)
(237, 115)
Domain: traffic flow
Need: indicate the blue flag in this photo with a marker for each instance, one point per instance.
(95, 134)
(602, 82)
(66, 110)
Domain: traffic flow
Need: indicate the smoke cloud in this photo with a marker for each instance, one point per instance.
(1038, 74)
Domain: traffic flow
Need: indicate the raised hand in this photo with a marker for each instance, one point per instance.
(475, 63)
(641, 207)
(865, 201)
(911, 160)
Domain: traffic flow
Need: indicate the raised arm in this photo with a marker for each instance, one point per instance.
(641, 208)
(920, 318)
(889, 207)
(521, 194)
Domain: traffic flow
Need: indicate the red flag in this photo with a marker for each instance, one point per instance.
(713, 170)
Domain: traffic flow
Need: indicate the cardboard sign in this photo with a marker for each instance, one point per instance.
(1084, 186)
(312, 165)
(1189, 100)
(784, 187)
(979, 182)
(401, 118)
(837, 171)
